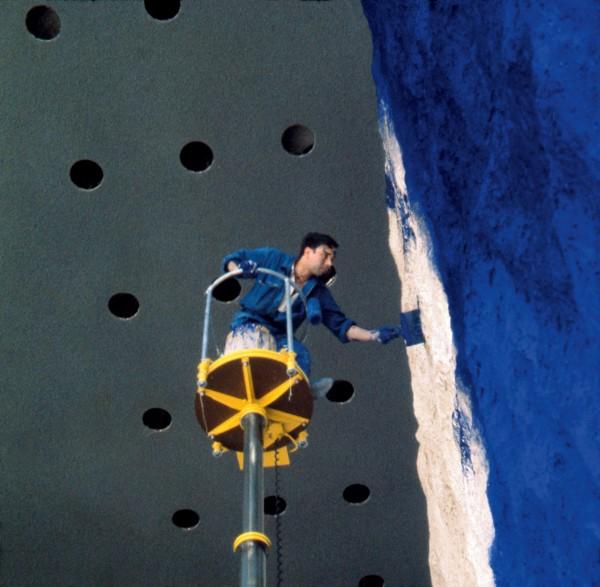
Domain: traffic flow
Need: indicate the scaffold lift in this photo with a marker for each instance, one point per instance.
(257, 403)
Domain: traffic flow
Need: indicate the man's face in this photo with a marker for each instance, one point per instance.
(319, 260)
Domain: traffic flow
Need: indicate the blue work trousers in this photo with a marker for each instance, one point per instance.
(302, 354)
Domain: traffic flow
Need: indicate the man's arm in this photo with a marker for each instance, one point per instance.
(382, 335)
(248, 267)
(359, 334)
(239, 259)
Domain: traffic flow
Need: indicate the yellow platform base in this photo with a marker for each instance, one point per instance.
(254, 381)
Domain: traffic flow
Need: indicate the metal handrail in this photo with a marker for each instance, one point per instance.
(288, 305)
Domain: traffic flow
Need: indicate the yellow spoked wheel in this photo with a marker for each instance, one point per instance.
(253, 381)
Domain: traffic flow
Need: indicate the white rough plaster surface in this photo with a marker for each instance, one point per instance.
(460, 522)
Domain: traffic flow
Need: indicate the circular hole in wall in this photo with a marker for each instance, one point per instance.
(228, 290)
(196, 156)
(275, 505)
(341, 391)
(356, 494)
(157, 419)
(371, 581)
(162, 9)
(43, 23)
(298, 140)
(86, 174)
(186, 519)
(123, 305)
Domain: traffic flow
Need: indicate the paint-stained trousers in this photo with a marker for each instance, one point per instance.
(256, 336)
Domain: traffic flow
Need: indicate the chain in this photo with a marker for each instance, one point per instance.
(278, 536)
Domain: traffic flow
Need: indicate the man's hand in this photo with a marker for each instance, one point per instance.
(248, 268)
(387, 333)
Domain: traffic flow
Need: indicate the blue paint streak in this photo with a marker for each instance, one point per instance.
(397, 201)
(463, 434)
(495, 107)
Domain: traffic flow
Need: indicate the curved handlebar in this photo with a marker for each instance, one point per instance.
(287, 283)
(236, 272)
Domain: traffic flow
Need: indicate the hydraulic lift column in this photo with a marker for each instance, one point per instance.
(253, 551)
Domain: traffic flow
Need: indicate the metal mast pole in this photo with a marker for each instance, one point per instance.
(254, 556)
(252, 541)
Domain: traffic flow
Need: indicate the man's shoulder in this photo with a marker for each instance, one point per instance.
(271, 250)
(268, 257)
(276, 257)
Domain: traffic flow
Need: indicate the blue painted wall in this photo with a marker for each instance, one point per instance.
(496, 107)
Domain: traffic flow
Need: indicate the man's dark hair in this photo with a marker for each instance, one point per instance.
(316, 239)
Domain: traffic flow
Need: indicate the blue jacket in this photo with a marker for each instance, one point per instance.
(261, 303)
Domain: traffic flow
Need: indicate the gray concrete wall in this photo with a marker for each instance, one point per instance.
(88, 491)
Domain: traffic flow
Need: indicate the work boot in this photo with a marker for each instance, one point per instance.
(320, 387)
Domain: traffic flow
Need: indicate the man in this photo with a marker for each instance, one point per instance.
(263, 307)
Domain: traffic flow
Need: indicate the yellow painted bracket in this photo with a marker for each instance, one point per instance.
(218, 449)
(283, 458)
(203, 368)
(291, 363)
(271, 434)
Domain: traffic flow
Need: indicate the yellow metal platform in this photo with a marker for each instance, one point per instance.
(254, 381)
